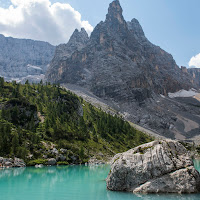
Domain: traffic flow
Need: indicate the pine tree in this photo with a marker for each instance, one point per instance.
(15, 142)
(1, 83)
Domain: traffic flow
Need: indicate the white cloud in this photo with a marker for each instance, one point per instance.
(195, 61)
(41, 20)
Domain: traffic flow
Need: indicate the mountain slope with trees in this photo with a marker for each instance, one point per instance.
(39, 118)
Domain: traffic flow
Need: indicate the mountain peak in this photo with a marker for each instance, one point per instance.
(79, 36)
(115, 12)
(84, 33)
(135, 27)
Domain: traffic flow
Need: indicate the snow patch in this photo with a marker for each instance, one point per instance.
(34, 67)
(162, 96)
(183, 93)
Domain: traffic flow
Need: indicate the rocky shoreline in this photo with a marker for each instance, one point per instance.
(16, 162)
(10, 162)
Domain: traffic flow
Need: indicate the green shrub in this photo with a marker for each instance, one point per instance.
(37, 162)
(62, 163)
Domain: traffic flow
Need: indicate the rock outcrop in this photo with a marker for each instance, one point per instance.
(157, 167)
(22, 59)
(195, 72)
(119, 65)
(51, 161)
(77, 41)
(118, 62)
(9, 162)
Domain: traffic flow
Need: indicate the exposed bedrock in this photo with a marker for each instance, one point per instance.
(157, 167)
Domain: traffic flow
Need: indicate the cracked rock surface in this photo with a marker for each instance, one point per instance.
(156, 167)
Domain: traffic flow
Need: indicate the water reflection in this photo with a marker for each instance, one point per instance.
(130, 196)
(197, 164)
(68, 182)
(11, 172)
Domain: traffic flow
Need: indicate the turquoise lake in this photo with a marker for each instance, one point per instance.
(68, 183)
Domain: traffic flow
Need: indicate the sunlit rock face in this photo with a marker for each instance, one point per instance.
(157, 167)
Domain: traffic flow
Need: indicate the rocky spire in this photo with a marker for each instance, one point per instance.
(79, 37)
(135, 27)
(77, 41)
(115, 13)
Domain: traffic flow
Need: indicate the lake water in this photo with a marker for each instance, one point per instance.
(68, 183)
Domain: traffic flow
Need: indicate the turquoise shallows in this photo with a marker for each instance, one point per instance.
(68, 183)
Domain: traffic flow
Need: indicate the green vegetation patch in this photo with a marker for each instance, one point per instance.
(62, 163)
(143, 150)
(34, 115)
(37, 162)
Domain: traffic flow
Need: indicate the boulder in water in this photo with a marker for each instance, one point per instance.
(156, 167)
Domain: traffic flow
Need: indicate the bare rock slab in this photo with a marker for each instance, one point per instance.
(156, 167)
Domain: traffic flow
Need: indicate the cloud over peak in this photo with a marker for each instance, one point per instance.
(195, 61)
(41, 20)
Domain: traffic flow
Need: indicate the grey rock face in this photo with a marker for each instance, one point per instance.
(195, 72)
(22, 58)
(135, 27)
(118, 62)
(157, 167)
(119, 65)
(19, 163)
(54, 151)
(51, 161)
(63, 150)
(9, 162)
(60, 157)
(77, 41)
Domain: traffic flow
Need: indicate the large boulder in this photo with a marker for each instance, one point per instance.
(51, 161)
(156, 167)
(8, 164)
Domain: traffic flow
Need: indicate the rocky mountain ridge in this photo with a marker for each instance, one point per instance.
(119, 53)
(77, 41)
(194, 72)
(22, 59)
(119, 65)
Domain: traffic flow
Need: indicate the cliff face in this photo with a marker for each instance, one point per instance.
(118, 62)
(195, 73)
(20, 58)
(119, 65)
(77, 41)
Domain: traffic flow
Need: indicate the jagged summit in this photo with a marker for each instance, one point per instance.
(114, 18)
(135, 27)
(79, 36)
(115, 12)
(120, 65)
(120, 57)
(77, 41)
(114, 28)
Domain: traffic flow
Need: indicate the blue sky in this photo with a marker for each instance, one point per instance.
(171, 24)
